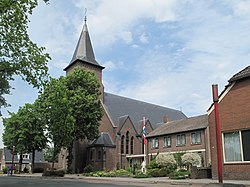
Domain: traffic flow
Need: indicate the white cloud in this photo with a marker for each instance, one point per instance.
(144, 39)
(127, 37)
(110, 19)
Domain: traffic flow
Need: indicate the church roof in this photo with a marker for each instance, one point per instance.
(84, 50)
(241, 75)
(182, 125)
(118, 107)
(104, 140)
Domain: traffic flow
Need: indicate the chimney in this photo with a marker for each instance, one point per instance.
(166, 119)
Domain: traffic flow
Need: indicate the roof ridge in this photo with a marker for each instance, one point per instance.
(240, 75)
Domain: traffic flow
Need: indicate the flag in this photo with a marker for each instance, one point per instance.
(144, 133)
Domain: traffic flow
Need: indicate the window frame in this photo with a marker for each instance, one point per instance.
(181, 135)
(191, 139)
(241, 147)
(155, 143)
(165, 143)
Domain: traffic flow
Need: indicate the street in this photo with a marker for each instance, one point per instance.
(40, 182)
(50, 182)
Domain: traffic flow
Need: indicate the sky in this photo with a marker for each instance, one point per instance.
(162, 52)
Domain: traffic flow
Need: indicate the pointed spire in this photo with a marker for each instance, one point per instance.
(84, 51)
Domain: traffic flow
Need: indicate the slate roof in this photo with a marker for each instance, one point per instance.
(104, 140)
(39, 157)
(84, 51)
(183, 125)
(240, 75)
(118, 107)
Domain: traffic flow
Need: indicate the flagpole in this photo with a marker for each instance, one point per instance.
(144, 144)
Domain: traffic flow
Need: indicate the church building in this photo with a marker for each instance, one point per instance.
(120, 142)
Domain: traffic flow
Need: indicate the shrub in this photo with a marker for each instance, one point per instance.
(38, 170)
(181, 174)
(54, 173)
(89, 168)
(5, 170)
(113, 173)
(25, 170)
(165, 159)
(141, 175)
(152, 164)
(157, 172)
(191, 159)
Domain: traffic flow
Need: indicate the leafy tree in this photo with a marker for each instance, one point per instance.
(18, 54)
(54, 106)
(83, 94)
(12, 134)
(71, 109)
(25, 131)
(48, 155)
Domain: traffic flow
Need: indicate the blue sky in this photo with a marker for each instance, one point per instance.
(162, 52)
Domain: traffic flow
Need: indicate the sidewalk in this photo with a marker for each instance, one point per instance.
(206, 182)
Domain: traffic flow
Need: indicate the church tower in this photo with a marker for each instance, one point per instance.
(84, 57)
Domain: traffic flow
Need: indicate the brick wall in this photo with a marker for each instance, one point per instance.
(234, 115)
(200, 148)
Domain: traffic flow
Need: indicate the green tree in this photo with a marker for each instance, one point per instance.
(18, 54)
(83, 94)
(71, 109)
(25, 131)
(49, 154)
(54, 106)
(12, 134)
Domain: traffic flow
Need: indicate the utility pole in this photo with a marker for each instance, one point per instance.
(218, 132)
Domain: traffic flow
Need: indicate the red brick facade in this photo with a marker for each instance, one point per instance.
(202, 148)
(234, 115)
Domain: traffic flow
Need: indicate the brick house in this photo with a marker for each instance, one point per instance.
(234, 115)
(185, 135)
(119, 143)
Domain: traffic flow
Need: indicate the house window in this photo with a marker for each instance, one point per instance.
(25, 156)
(132, 145)
(236, 146)
(196, 137)
(99, 155)
(104, 155)
(181, 140)
(155, 143)
(91, 155)
(167, 141)
(122, 145)
(127, 142)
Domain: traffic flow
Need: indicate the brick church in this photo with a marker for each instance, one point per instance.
(120, 143)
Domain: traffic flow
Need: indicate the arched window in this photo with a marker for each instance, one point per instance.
(127, 142)
(132, 145)
(122, 144)
(99, 155)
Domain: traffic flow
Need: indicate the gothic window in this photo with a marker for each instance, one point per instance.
(127, 142)
(122, 144)
(132, 145)
(99, 155)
